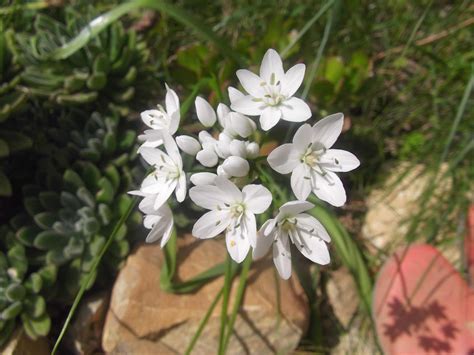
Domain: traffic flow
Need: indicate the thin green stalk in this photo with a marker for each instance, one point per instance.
(415, 29)
(307, 26)
(227, 287)
(24, 7)
(92, 272)
(238, 301)
(203, 322)
(183, 17)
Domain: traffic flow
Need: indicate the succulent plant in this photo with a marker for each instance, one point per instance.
(108, 72)
(20, 291)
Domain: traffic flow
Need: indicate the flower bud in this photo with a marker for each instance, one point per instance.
(236, 166)
(188, 144)
(205, 112)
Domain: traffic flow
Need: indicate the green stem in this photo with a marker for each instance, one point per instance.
(238, 301)
(203, 322)
(24, 7)
(91, 273)
(227, 287)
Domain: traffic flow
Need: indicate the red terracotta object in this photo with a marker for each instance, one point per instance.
(422, 305)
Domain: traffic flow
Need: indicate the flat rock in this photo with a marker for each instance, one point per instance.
(144, 319)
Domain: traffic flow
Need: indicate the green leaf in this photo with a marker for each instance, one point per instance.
(49, 240)
(105, 214)
(37, 326)
(110, 143)
(106, 192)
(113, 175)
(33, 205)
(45, 219)
(85, 196)
(16, 141)
(5, 186)
(48, 274)
(91, 175)
(97, 81)
(50, 200)
(72, 180)
(12, 311)
(6, 332)
(34, 282)
(334, 70)
(77, 99)
(35, 306)
(70, 201)
(15, 292)
(26, 235)
(56, 257)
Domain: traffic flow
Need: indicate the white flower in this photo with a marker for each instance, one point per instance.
(205, 112)
(203, 178)
(161, 120)
(303, 230)
(232, 211)
(188, 144)
(313, 164)
(168, 174)
(270, 95)
(236, 166)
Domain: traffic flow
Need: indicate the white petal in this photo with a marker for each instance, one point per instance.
(155, 119)
(250, 82)
(339, 160)
(237, 244)
(236, 166)
(293, 208)
(222, 112)
(207, 196)
(303, 138)
(147, 204)
(301, 181)
(328, 129)
(171, 101)
(188, 144)
(234, 94)
(282, 255)
(263, 242)
(228, 190)
(238, 148)
(248, 106)
(154, 156)
(167, 234)
(295, 110)
(284, 158)
(152, 137)
(181, 188)
(241, 124)
(222, 172)
(164, 195)
(307, 241)
(253, 150)
(174, 122)
(211, 224)
(309, 225)
(271, 64)
(207, 157)
(269, 226)
(329, 188)
(205, 112)
(257, 198)
(269, 117)
(292, 80)
(199, 179)
(250, 226)
(205, 138)
(223, 146)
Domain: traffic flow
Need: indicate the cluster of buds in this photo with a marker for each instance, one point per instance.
(227, 186)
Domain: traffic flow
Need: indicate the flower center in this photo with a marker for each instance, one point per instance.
(272, 92)
(160, 119)
(288, 224)
(237, 210)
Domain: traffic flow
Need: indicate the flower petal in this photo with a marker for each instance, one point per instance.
(250, 82)
(155, 156)
(269, 117)
(263, 242)
(205, 112)
(228, 190)
(339, 160)
(303, 138)
(181, 188)
(207, 196)
(257, 198)
(329, 188)
(188, 144)
(222, 112)
(282, 255)
(241, 124)
(248, 106)
(237, 244)
(308, 226)
(292, 80)
(199, 179)
(328, 129)
(271, 64)
(293, 208)
(172, 149)
(238, 148)
(234, 94)
(295, 110)
(301, 182)
(284, 158)
(308, 242)
(174, 122)
(207, 157)
(236, 166)
(250, 226)
(211, 224)
(171, 101)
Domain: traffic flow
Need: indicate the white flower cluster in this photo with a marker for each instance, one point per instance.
(228, 191)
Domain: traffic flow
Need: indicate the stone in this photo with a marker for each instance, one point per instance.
(21, 344)
(85, 332)
(341, 291)
(140, 311)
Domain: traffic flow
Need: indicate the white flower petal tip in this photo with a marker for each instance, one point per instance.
(199, 179)
(205, 112)
(188, 144)
(164, 119)
(236, 166)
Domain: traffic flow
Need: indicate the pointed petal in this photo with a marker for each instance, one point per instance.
(284, 158)
(269, 226)
(328, 129)
(222, 112)
(295, 110)
(248, 106)
(207, 157)
(181, 188)
(263, 242)
(309, 243)
(234, 94)
(207, 196)
(308, 225)
(188, 144)
(205, 112)
(211, 224)
(294, 208)
(155, 156)
(199, 179)
(167, 234)
(154, 119)
(228, 190)
(329, 188)
(257, 198)
(172, 149)
(250, 82)
(174, 122)
(237, 244)
(241, 124)
(271, 64)
(301, 182)
(236, 166)
(282, 255)
(171, 101)
(164, 194)
(339, 160)
(292, 80)
(303, 138)
(250, 226)
(269, 117)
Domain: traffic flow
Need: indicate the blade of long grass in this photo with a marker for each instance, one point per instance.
(307, 26)
(92, 272)
(101, 22)
(38, 5)
(225, 301)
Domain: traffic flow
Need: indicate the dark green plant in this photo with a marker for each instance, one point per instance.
(20, 291)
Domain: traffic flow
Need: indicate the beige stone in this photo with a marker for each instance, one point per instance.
(342, 294)
(140, 310)
(21, 344)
